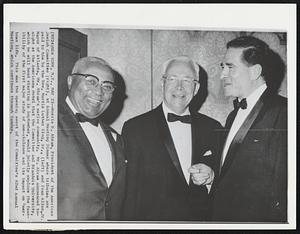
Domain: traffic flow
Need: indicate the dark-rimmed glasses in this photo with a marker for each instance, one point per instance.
(92, 80)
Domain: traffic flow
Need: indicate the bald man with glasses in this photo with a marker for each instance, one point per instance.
(91, 165)
(162, 144)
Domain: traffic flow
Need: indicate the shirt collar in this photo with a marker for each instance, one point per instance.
(167, 110)
(255, 95)
(68, 101)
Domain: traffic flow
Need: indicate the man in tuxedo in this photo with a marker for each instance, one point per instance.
(161, 146)
(91, 164)
(252, 180)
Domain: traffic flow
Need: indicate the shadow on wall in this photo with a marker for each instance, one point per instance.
(117, 103)
(202, 93)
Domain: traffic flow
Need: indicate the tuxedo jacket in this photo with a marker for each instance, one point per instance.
(83, 193)
(156, 186)
(252, 184)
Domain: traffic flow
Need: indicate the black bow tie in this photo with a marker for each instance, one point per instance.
(242, 104)
(81, 118)
(184, 119)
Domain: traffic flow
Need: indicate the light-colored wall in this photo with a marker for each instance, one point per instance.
(138, 54)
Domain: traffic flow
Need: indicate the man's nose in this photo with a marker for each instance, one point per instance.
(98, 89)
(179, 84)
(224, 73)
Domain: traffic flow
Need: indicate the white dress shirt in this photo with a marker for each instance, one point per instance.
(99, 143)
(182, 137)
(241, 117)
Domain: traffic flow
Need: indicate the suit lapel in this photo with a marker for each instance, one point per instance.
(240, 135)
(73, 129)
(116, 150)
(197, 143)
(197, 140)
(168, 141)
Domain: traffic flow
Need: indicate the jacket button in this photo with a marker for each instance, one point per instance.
(106, 203)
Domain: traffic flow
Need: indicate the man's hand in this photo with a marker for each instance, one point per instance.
(202, 174)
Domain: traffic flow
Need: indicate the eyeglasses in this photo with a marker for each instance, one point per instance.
(107, 86)
(172, 79)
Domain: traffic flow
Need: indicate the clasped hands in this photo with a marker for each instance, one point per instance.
(201, 174)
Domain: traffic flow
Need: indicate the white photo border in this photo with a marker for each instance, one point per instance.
(229, 17)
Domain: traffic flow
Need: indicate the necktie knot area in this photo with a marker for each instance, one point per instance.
(184, 118)
(240, 104)
(81, 118)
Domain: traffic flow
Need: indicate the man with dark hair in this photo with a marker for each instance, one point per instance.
(91, 165)
(162, 144)
(257, 51)
(252, 178)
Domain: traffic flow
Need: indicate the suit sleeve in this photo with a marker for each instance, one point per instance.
(278, 153)
(131, 153)
(217, 139)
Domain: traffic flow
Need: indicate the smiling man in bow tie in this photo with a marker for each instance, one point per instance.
(161, 145)
(251, 184)
(91, 166)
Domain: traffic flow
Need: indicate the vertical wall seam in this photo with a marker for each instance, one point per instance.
(151, 67)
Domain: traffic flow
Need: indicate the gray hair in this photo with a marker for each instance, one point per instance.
(181, 59)
(85, 62)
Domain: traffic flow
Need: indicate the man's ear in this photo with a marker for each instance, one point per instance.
(162, 83)
(255, 71)
(69, 80)
(196, 88)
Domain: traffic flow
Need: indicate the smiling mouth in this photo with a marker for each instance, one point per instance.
(178, 96)
(94, 102)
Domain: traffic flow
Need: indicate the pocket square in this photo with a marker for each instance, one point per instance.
(207, 153)
(256, 140)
